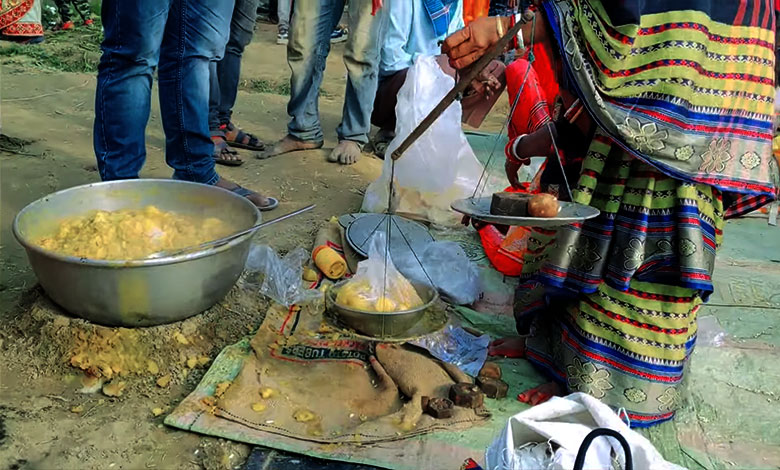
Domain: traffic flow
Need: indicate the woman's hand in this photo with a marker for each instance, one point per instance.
(512, 167)
(466, 46)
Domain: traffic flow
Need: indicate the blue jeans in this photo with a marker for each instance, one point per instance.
(183, 36)
(224, 74)
(307, 50)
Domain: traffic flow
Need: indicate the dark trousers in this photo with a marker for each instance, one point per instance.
(224, 75)
(81, 6)
(386, 98)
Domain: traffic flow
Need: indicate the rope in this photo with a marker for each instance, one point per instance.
(505, 125)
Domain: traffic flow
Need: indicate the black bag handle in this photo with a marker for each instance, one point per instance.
(579, 463)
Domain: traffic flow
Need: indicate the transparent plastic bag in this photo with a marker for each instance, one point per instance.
(448, 267)
(440, 166)
(281, 276)
(378, 286)
(457, 346)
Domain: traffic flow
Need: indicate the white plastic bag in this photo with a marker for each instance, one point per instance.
(440, 166)
(377, 285)
(565, 422)
(453, 274)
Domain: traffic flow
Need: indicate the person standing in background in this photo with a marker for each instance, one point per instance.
(283, 11)
(411, 28)
(21, 21)
(223, 77)
(82, 9)
(183, 37)
(311, 27)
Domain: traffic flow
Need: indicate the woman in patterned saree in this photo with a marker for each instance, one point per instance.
(678, 100)
(20, 21)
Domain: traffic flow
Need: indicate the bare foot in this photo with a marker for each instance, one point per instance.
(289, 144)
(508, 347)
(263, 203)
(540, 394)
(346, 152)
(223, 154)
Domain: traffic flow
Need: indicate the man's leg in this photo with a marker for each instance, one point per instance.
(195, 36)
(383, 115)
(63, 8)
(242, 26)
(362, 60)
(196, 33)
(307, 51)
(131, 44)
(283, 10)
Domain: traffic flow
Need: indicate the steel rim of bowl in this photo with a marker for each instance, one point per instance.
(115, 263)
(332, 297)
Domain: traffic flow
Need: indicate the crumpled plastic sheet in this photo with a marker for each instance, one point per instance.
(456, 346)
(281, 276)
(446, 266)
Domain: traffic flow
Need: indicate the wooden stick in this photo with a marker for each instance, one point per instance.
(459, 88)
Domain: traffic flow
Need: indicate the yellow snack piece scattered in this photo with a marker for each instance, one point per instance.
(304, 416)
(180, 338)
(267, 392)
(258, 407)
(77, 409)
(221, 389)
(157, 411)
(164, 381)
(152, 367)
(192, 362)
(113, 389)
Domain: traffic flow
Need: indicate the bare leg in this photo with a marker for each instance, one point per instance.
(540, 394)
(508, 347)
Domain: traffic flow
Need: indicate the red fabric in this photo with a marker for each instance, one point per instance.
(473, 9)
(533, 110)
(541, 89)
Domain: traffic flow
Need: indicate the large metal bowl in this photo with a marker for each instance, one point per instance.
(137, 292)
(379, 324)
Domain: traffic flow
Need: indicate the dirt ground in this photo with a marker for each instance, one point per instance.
(45, 422)
(50, 415)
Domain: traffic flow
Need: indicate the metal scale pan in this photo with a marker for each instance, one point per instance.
(479, 208)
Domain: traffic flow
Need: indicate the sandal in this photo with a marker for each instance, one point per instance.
(223, 153)
(241, 139)
(273, 203)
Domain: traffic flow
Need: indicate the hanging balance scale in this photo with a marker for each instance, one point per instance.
(406, 237)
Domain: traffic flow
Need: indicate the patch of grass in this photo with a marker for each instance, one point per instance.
(261, 85)
(63, 51)
(274, 87)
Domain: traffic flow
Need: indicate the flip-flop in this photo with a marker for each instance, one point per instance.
(244, 192)
(253, 142)
(221, 149)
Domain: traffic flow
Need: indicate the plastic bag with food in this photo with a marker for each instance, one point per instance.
(440, 166)
(378, 286)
